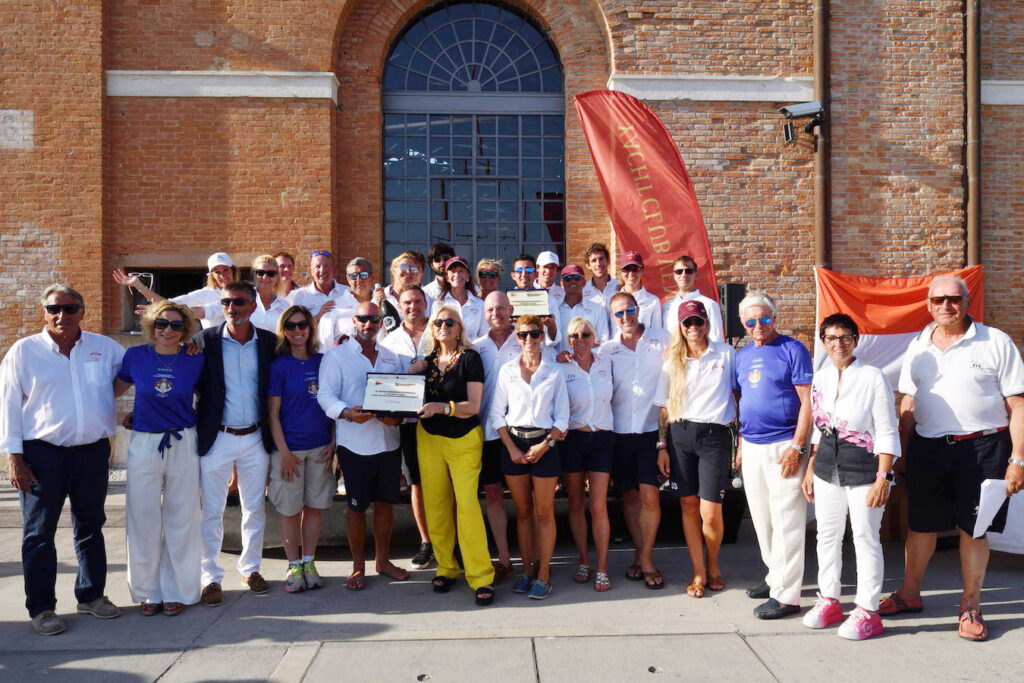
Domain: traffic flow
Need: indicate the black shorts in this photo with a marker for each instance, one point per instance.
(588, 451)
(635, 461)
(701, 455)
(408, 447)
(944, 481)
(371, 478)
(490, 463)
(547, 467)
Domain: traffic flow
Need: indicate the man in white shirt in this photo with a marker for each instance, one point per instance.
(368, 446)
(636, 355)
(324, 292)
(408, 341)
(56, 417)
(961, 422)
(574, 304)
(601, 283)
(337, 322)
(437, 255)
(524, 274)
(684, 271)
(547, 275)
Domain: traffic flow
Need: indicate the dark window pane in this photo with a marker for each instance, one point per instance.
(440, 147)
(416, 233)
(394, 189)
(462, 146)
(531, 147)
(394, 168)
(488, 147)
(394, 122)
(394, 232)
(416, 146)
(461, 211)
(508, 211)
(417, 211)
(462, 232)
(552, 80)
(508, 189)
(508, 167)
(506, 231)
(461, 189)
(415, 34)
(531, 125)
(533, 232)
(464, 30)
(394, 79)
(553, 168)
(533, 211)
(508, 147)
(416, 124)
(530, 83)
(486, 125)
(416, 168)
(484, 231)
(461, 166)
(554, 125)
(416, 189)
(531, 189)
(554, 211)
(440, 231)
(394, 211)
(508, 125)
(487, 190)
(485, 166)
(462, 125)
(531, 168)
(486, 211)
(440, 125)
(553, 147)
(394, 146)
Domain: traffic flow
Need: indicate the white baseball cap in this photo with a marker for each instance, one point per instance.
(547, 258)
(219, 259)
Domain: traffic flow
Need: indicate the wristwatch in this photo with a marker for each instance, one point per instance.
(802, 450)
(549, 441)
(888, 476)
(1017, 461)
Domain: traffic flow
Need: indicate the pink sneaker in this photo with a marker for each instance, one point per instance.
(861, 625)
(826, 611)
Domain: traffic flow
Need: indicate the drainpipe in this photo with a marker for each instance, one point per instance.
(973, 68)
(822, 153)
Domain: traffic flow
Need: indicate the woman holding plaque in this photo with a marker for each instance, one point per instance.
(449, 440)
(530, 410)
(458, 291)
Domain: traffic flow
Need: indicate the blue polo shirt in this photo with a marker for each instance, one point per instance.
(765, 377)
(164, 388)
(303, 421)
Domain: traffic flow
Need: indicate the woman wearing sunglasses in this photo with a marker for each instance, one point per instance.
(163, 530)
(695, 396)
(449, 440)
(488, 276)
(530, 410)
(302, 482)
(588, 450)
(406, 269)
(270, 305)
(458, 291)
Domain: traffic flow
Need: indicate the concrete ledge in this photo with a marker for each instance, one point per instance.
(724, 88)
(287, 84)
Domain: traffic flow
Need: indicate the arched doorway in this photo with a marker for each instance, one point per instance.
(473, 134)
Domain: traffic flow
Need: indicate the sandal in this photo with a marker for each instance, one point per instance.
(695, 589)
(150, 608)
(635, 573)
(972, 626)
(356, 582)
(715, 583)
(653, 580)
(484, 595)
(173, 609)
(602, 583)
(395, 572)
(583, 574)
(443, 584)
(897, 604)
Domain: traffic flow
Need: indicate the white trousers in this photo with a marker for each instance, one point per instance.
(246, 455)
(831, 504)
(779, 513)
(163, 530)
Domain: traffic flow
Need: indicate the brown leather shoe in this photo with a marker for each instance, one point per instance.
(212, 595)
(256, 583)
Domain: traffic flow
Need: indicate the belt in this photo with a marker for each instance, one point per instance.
(953, 438)
(527, 432)
(588, 430)
(242, 431)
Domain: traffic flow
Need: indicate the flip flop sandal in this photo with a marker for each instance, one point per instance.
(897, 604)
(356, 582)
(602, 583)
(583, 574)
(635, 573)
(653, 580)
(442, 584)
(695, 589)
(485, 595)
(715, 583)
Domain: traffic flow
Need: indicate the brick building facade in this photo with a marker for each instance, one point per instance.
(148, 135)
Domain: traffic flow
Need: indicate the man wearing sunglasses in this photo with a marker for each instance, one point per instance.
(368, 446)
(574, 304)
(437, 255)
(960, 423)
(524, 275)
(406, 270)
(684, 271)
(56, 417)
(773, 378)
(337, 322)
(233, 432)
(323, 293)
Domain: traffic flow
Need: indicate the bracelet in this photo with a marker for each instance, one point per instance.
(1017, 461)
(344, 415)
(661, 446)
(450, 410)
(888, 476)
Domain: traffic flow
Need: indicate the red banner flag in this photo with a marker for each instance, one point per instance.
(647, 190)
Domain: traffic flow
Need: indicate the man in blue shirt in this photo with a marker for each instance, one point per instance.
(773, 379)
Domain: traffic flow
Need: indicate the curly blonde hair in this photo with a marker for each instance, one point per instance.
(154, 311)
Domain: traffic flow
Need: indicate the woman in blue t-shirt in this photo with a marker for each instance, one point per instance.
(163, 532)
(302, 482)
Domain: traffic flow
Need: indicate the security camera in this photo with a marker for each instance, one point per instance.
(804, 110)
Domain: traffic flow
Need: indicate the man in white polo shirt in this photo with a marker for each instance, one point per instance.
(574, 304)
(601, 284)
(324, 293)
(56, 417)
(961, 421)
(684, 271)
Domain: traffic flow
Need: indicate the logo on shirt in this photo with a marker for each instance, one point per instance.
(754, 376)
(163, 385)
(312, 387)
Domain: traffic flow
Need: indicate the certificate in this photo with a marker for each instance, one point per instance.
(394, 395)
(529, 302)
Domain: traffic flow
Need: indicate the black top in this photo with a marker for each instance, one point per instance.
(451, 386)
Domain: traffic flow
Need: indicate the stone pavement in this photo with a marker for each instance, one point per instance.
(404, 632)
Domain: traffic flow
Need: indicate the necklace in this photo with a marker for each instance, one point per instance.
(163, 366)
(437, 373)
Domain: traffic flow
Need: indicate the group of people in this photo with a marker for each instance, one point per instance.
(611, 389)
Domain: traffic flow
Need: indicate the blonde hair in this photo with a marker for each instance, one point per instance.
(283, 346)
(154, 311)
(211, 279)
(577, 322)
(678, 357)
(431, 345)
(265, 258)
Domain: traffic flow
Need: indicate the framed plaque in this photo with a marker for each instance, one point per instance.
(390, 395)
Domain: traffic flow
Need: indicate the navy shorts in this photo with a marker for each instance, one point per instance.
(701, 455)
(408, 447)
(371, 478)
(490, 463)
(547, 467)
(588, 451)
(944, 481)
(636, 461)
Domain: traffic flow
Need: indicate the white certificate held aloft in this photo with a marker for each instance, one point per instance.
(529, 302)
(394, 395)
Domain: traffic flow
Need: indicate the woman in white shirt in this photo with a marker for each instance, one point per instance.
(695, 393)
(855, 442)
(458, 290)
(530, 410)
(632, 271)
(588, 451)
(266, 276)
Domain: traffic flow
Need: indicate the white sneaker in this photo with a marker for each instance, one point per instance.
(826, 611)
(861, 625)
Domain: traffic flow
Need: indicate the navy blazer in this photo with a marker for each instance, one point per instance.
(210, 408)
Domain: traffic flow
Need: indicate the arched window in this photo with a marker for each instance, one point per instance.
(474, 134)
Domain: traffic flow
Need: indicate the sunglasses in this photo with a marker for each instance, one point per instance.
(265, 273)
(237, 301)
(164, 323)
(693, 321)
(842, 339)
(69, 309)
(362, 275)
(445, 322)
(571, 278)
(764, 320)
(322, 253)
(299, 324)
(687, 271)
(375, 319)
(523, 270)
(954, 299)
(532, 334)
(632, 269)
(580, 335)
(625, 311)
(488, 275)
(406, 268)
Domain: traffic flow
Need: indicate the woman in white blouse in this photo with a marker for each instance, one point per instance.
(588, 451)
(855, 442)
(530, 410)
(266, 276)
(459, 291)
